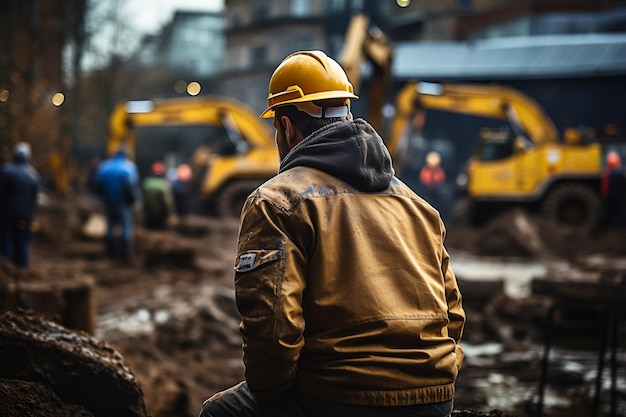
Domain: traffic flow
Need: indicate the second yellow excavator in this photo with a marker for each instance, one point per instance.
(526, 164)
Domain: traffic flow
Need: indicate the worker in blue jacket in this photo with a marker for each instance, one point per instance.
(117, 183)
(19, 187)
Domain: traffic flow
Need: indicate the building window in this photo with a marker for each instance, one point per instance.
(336, 5)
(300, 7)
(235, 19)
(300, 43)
(281, 8)
(258, 55)
(260, 10)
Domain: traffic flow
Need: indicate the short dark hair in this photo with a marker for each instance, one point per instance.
(306, 123)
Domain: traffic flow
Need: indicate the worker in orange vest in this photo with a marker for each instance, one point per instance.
(613, 189)
(433, 177)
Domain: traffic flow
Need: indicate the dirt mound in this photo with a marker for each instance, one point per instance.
(11, 273)
(516, 233)
(62, 372)
(25, 398)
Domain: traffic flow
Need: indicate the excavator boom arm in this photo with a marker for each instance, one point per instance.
(207, 110)
(490, 101)
(368, 44)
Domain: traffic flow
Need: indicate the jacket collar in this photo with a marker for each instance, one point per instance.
(350, 150)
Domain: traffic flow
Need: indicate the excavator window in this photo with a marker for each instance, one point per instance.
(495, 144)
(236, 142)
(177, 143)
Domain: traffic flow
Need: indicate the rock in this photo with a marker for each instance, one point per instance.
(95, 226)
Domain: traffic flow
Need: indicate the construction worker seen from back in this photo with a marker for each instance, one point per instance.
(19, 188)
(347, 300)
(158, 199)
(433, 178)
(117, 182)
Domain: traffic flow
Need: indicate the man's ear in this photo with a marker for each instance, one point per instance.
(292, 135)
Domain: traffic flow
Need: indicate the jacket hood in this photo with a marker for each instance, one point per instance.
(350, 150)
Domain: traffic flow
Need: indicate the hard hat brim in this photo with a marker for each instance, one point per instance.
(325, 95)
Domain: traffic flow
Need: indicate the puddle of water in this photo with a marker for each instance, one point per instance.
(511, 380)
(141, 316)
(133, 322)
(516, 275)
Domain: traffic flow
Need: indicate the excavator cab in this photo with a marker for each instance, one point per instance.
(495, 144)
(231, 151)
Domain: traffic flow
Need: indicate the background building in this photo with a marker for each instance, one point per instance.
(434, 40)
(189, 48)
(193, 44)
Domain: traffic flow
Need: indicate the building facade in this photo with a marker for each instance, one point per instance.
(191, 47)
(260, 33)
(194, 43)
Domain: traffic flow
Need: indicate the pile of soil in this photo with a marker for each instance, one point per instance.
(47, 370)
(516, 233)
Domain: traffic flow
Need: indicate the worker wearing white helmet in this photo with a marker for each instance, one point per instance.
(347, 300)
(19, 187)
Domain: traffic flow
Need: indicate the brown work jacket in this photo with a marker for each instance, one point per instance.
(346, 292)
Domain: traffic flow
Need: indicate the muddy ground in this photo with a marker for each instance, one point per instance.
(171, 313)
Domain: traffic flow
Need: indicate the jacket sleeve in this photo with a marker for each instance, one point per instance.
(456, 313)
(269, 283)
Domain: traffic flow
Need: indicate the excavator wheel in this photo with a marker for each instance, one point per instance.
(233, 197)
(575, 208)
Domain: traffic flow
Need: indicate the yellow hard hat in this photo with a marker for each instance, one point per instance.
(306, 76)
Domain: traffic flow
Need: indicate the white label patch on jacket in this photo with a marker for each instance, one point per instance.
(251, 260)
(246, 262)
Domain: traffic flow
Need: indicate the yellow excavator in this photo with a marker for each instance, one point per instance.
(526, 164)
(366, 43)
(231, 150)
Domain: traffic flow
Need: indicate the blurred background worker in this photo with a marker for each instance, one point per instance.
(158, 202)
(19, 187)
(433, 178)
(181, 189)
(613, 189)
(117, 183)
